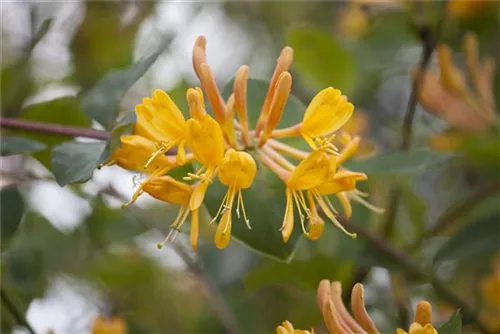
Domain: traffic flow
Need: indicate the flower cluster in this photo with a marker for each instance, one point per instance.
(221, 145)
(338, 320)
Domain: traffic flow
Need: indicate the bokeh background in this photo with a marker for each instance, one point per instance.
(70, 254)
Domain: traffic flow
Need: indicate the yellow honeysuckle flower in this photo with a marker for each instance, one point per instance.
(135, 151)
(205, 139)
(287, 328)
(328, 111)
(160, 120)
(313, 171)
(111, 325)
(169, 190)
(236, 171)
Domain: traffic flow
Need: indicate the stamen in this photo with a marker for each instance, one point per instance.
(107, 163)
(222, 209)
(297, 202)
(240, 199)
(164, 147)
(175, 227)
(367, 204)
(330, 214)
(288, 150)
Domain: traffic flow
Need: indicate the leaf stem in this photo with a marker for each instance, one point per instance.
(14, 311)
(49, 128)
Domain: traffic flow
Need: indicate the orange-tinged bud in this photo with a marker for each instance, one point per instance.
(240, 101)
(451, 78)
(208, 83)
(423, 313)
(283, 63)
(228, 126)
(199, 55)
(167, 189)
(237, 169)
(359, 310)
(195, 101)
(282, 91)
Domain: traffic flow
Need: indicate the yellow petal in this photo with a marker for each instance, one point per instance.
(328, 111)
(287, 227)
(195, 229)
(237, 169)
(167, 189)
(346, 204)
(311, 172)
(342, 181)
(198, 195)
(204, 138)
(223, 233)
(228, 126)
(135, 151)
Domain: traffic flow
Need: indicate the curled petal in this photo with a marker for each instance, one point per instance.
(169, 190)
(359, 310)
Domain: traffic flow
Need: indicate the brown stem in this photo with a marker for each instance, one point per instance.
(412, 268)
(57, 129)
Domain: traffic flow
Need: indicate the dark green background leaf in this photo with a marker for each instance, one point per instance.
(12, 205)
(477, 239)
(11, 145)
(75, 161)
(322, 59)
(397, 162)
(453, 325)
(101, 101)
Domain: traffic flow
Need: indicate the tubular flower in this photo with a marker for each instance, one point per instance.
(167, 189)
(328, 111)
(422, 322)
(160, 120)
(287, 328)
(308, 176)
(206, 141)
(236, 171)
(449, 96)
(490, 298)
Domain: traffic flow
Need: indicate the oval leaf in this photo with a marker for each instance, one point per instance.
(11, 145)
(12, 211)
(75, 161)
(398, 162)
(101, 102)
(453, 325)
(322, 59)
(476, 239)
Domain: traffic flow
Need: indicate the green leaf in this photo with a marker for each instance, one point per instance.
(124, 127)
(106, 226)
(101, 101)
(398, 162)
(11, 214)
(11, 145)
(304, 274)
(320, 57)
(75, 161)
(453, 325)
(65, 111)
(475, 240)
(265, 199)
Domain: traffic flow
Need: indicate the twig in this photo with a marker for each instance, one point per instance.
(57, 129)
(410, 267)
(455, 212)
(214, 297)
(15, 312)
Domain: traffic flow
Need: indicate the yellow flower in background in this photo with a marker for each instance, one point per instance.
(236, 171)
(287, 328)
(111, 325)
(467, 8)
(490, 298)
(422, 323)
(449, 96)
(353, 21)
(160, 120)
